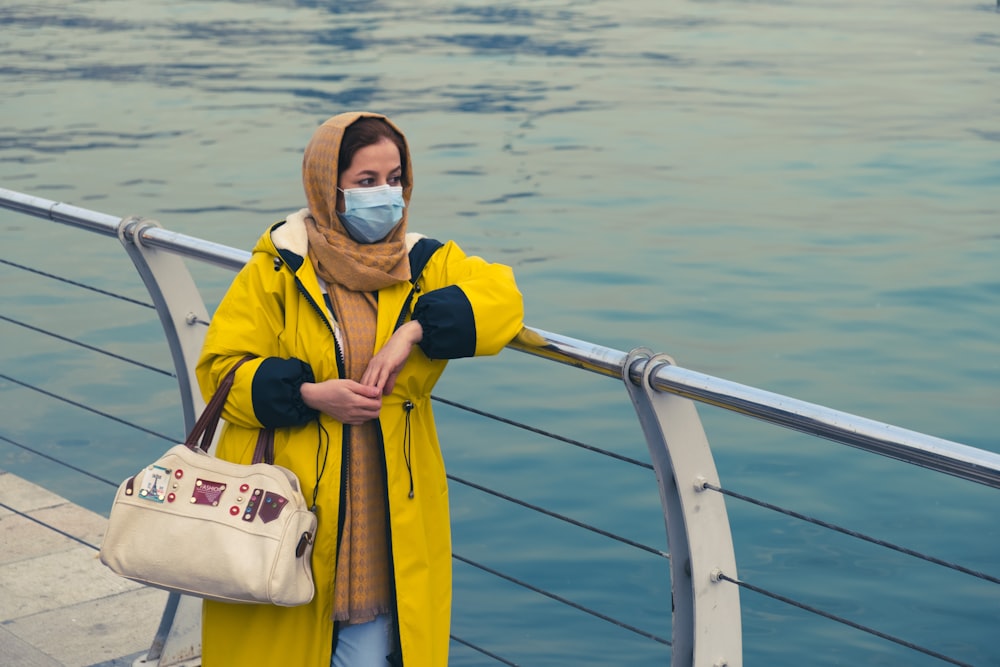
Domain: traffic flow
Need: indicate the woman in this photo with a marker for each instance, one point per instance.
(351, 321)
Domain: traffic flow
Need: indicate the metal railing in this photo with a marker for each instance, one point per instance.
(704, 581)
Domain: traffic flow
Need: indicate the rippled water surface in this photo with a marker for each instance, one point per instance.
(799, 196)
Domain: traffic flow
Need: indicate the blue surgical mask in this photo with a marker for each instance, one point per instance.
(371, 213)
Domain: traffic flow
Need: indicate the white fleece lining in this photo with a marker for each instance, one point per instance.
(292, 235)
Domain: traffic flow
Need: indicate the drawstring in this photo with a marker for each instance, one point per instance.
(321, 468)
(320, 432)
(407, 443)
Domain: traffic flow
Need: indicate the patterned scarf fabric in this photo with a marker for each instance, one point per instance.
(362, 587)
(353, 272)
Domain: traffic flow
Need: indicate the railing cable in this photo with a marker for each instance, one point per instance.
(559, 598)
(549, 434)
(88, 408)
(59, 461)
(561, 517)
(92, 348)
(844, 621)
(484, 651)
(855, 534)
(49, 526)
(78, 284)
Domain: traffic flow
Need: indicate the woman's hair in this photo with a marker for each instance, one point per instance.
(365, 132)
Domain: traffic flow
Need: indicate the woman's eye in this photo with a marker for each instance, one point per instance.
(366, 182)
(395, 180)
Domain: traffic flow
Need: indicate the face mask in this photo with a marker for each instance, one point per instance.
(371, 213)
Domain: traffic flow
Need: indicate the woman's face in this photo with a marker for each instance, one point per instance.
(373, 165)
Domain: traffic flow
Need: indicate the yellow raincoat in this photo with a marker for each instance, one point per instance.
(275, 311)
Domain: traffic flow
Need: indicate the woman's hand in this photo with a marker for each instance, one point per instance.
(347, 401)
(351, 402)
(384, 367)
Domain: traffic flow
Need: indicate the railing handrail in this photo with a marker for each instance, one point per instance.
(938, 454)
(946, 456)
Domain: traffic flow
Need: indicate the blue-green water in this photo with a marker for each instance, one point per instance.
(800, 196)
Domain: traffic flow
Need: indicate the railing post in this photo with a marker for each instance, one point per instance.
(706, 611)
(179, 305)
(181, 309)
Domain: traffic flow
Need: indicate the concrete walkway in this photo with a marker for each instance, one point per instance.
(59, 606)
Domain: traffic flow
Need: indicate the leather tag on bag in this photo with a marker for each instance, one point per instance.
(271, 506)
(207, 492)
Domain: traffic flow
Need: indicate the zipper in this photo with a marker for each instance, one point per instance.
(345, 452)
(404, 311)
(345, 441)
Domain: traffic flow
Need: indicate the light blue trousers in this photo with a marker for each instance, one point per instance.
(365, 644)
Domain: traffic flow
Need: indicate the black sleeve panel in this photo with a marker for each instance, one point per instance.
(277, 395)
(448, 322)
(420, 254)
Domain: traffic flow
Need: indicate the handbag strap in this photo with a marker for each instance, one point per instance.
(264, 451)
(204, 428)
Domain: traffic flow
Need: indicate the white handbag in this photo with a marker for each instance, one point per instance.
(198, 525)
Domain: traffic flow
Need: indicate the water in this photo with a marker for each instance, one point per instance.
(799, 196)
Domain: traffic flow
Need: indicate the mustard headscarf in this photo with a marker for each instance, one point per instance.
(339, 259)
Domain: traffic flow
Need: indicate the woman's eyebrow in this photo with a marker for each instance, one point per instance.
(372, 172)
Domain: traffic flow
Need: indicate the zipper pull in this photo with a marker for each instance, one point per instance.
(304, 541)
